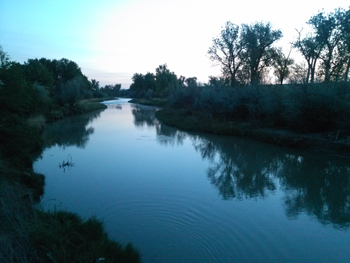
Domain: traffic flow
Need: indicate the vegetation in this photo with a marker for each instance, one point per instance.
(32, 235)
(243, 100)
(32, 93)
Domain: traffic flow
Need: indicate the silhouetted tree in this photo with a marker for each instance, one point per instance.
(281, 64)
(257, 40)
(227, 51)
(329, 33)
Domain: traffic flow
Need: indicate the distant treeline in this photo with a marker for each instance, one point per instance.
(39, 86)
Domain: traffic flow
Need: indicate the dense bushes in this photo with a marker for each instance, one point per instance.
(307, 108)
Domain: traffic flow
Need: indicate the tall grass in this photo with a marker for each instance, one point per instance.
(17, 219)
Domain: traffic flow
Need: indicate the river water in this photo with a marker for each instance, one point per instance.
(189, 197)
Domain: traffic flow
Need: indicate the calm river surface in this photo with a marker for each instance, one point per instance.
(186, 197)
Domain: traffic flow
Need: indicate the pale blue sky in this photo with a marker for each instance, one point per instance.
(111, 39)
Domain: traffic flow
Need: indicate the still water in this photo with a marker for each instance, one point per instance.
(189, 197)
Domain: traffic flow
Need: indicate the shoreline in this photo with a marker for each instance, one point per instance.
(330, 142)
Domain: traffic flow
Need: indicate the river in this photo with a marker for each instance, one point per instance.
(190, 197)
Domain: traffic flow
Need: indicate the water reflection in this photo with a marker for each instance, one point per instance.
(249, 170)
(238, 171)
(70, 131)
(144, 116)
(318, 186)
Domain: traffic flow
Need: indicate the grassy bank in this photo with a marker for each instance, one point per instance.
(83, 106)
(336, 141)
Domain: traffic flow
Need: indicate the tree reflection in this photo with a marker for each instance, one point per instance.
(237, 171)
(70, 131)
(144, 116)
(245, 169)
(318, 188)
(316, 185)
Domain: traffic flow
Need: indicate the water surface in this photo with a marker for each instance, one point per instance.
(186, 197)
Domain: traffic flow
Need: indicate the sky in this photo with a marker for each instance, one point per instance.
(111, 40)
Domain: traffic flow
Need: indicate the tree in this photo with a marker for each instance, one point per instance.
(257, 40)
(329, 43)
(191, 82)
(165, 79)
(37, 73)
(95, 85)
(281, 64)
(344, 47)
(329, 35)
(298, 74)
(227, 51)
(310, 47)
(4, 59)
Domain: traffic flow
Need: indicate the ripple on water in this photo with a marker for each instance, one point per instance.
(166, 221)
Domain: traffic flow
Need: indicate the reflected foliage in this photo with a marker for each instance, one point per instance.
(318, 188)
(243, 169)
(310, 185)
(238, 171)
(144, 116)
(73, 131)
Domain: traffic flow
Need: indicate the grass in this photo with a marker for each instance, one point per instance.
(62, 236)
(29, 234)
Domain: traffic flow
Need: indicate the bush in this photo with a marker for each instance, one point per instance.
(307, 108)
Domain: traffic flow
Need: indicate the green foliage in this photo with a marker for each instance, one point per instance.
(19, 144)
(64, 237)
(111, 90)
(165, 80)
(150, 85)
(307, 108)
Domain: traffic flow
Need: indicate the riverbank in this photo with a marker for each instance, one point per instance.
(29, 234)
(336, 142)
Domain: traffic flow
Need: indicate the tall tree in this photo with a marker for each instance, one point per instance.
(329, 35)
(257, 40)
(226, 51)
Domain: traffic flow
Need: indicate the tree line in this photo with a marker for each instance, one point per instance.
(42, 85)
(248, 53)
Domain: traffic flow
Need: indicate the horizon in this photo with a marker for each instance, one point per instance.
(112, 41)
